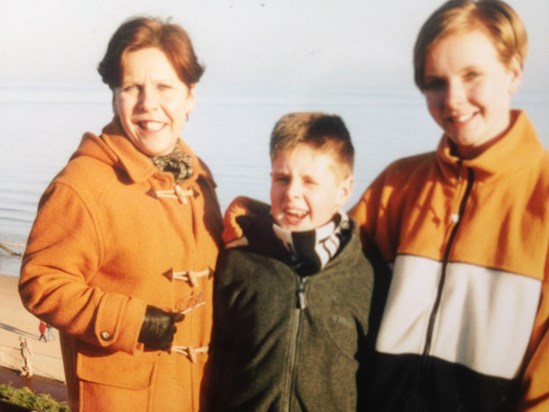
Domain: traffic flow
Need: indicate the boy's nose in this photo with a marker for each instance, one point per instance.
(293, 189)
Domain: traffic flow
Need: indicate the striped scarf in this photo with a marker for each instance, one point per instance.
(311, 250)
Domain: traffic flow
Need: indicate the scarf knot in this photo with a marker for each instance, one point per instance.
(177, 163)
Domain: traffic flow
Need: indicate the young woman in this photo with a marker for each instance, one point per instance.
(466, 230)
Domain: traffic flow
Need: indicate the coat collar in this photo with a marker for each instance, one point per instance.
(115, 148)
(517, 150)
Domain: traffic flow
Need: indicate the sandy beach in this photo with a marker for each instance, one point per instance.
(15, 321)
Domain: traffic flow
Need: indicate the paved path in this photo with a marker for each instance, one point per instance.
(37, 384)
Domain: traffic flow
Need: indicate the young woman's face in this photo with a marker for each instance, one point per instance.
(307, 188)
(152, 102)
(468, 90)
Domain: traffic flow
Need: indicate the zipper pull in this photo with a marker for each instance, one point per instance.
(301, 300)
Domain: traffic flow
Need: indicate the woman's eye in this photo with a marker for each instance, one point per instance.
(129, 88)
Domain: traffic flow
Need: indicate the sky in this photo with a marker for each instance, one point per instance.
(275, 48)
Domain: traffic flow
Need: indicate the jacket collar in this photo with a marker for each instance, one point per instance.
(518, 149)
(115, 148)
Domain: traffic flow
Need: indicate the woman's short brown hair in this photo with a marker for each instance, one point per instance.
(494, 17)
(143, 32)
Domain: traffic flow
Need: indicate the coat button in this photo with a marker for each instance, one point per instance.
(105, 335)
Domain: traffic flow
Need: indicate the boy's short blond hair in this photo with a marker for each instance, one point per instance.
(495, 17)
(319, 130)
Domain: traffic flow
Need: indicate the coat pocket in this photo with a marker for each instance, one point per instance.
(116, 369)
(115, 382)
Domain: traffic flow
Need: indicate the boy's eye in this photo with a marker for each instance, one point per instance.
(471, 75)
(281, 179)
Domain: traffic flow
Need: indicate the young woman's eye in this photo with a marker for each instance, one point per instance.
(434, 84)
(164, 86)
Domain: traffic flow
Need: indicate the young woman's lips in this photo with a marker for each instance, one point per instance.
(460, 119)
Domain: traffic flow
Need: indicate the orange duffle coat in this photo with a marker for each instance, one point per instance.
(113, 235)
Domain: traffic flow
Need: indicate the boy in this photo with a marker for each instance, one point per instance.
(292, 296)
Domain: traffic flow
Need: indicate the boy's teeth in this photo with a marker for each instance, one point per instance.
(296, 213)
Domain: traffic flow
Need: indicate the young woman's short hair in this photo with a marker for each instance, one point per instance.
(495, 17)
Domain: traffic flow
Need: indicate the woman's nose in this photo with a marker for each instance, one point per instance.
(148, 98)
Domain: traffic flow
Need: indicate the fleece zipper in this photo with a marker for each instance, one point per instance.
(456, 220)
(301, 304)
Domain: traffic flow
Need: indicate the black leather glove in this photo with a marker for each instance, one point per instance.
(158, 328)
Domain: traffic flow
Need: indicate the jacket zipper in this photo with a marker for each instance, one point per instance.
(456, 220)
(301, 304)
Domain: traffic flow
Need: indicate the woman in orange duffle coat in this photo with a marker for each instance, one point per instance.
(121, 256)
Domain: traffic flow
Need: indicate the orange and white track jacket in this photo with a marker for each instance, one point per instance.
(465, 323)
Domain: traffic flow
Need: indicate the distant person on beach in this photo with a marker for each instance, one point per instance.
(42, 330)
(26, 355)
(121, 256)
(49, 329)
(292, 295)
(466, 230)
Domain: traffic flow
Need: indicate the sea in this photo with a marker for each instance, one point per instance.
(40, 131)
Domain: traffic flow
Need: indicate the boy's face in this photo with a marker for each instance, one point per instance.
(307, 188)
(468, 90)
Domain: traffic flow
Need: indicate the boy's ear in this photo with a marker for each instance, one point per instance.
(345, 190)
(515, 70)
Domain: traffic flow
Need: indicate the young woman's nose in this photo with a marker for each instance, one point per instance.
(455, 94)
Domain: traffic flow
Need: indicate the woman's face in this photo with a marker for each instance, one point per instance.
(468, 90)
(152, 102)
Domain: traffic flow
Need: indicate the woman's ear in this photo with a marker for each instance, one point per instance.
(191, 100)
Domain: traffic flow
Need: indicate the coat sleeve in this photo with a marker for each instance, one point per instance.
(63, 255)
(536, 377)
